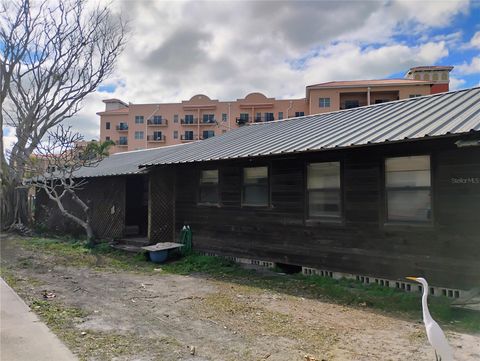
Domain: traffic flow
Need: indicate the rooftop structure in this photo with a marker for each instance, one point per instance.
(438, 115)
(143, 126)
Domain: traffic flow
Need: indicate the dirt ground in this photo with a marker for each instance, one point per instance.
(159, 316)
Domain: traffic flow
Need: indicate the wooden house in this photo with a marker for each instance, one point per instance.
(376, 193)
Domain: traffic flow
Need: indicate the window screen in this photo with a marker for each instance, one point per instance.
(255, 186)
(408, 188)
(209, 186)
(324, 191)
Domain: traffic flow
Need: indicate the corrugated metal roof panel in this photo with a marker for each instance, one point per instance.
(429, 116)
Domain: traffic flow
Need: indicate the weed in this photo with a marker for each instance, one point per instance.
(348, 292)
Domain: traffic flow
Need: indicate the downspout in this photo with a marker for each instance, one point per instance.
(146, 125)
(198, 124)
(289, 108)
(229, 114)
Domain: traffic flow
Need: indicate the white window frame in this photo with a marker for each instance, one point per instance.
(324, 102)
(204, 184)
(246, 184)
(311, 189)
(390, 188)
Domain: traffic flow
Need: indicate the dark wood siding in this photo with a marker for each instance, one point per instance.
(106, 199)
(446, 251)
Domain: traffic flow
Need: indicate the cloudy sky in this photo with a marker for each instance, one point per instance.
(226, 49)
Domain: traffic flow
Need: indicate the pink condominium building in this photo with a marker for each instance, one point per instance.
(141, 126)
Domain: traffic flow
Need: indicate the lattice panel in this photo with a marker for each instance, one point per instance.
(107, 204)
(106, 199)
(161, 207)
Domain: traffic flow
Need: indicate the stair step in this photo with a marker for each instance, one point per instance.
(132, 230)
(142, 241)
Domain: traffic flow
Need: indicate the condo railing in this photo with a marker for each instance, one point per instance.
(122, 126)
(156, 138)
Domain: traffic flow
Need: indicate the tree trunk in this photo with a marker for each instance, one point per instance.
(85, 224)
(21, 211)
(90, 235)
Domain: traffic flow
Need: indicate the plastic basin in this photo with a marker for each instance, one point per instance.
(158, 256)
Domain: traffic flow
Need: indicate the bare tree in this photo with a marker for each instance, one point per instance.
(55, 174)
(52, 55)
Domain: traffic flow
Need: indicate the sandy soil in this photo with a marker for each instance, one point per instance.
(164, 317)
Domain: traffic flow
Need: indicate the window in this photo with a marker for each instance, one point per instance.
(258, 117)
(138, 119)
(107, 125)
(224, 117)
(244, 116)
(138, 135)
(379, 101)
(324, 102)
(123, 141)
(414, 95)
(208, 186)
(349, 104)
(208, 118)
(107, 138)
(255, 186)
(175, 118)
(122, 126)
(445, 76)
(157, 119)
(324, 191)
(208, 134)
(426, 76)
(417, 77)
(157, 135)
(175, 134)
(407, 183)
(435, 76)
(280, 115)
(299, 114)
(189, 119)
(188, 135)
(269, 117)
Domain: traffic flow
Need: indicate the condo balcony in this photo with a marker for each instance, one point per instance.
(360, 99)
(122, 127)
(242, 120)
(189, 121)
(122, 142)
(156, 138)
(209, 121)
(188, 137)
(157, 122)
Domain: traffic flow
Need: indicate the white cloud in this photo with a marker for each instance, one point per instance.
(469, 68)
(456, 83)
(475, 40)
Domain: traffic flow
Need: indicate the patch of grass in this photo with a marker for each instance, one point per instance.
(197, 263)
(91, 344)
(81, 254)
(9, 277)
(347, 292)
(56, 315)
(238, 314)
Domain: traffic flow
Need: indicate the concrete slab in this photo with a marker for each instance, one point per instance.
(23, 337)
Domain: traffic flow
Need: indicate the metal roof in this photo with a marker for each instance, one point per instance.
(365, 83)
(430, 116)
